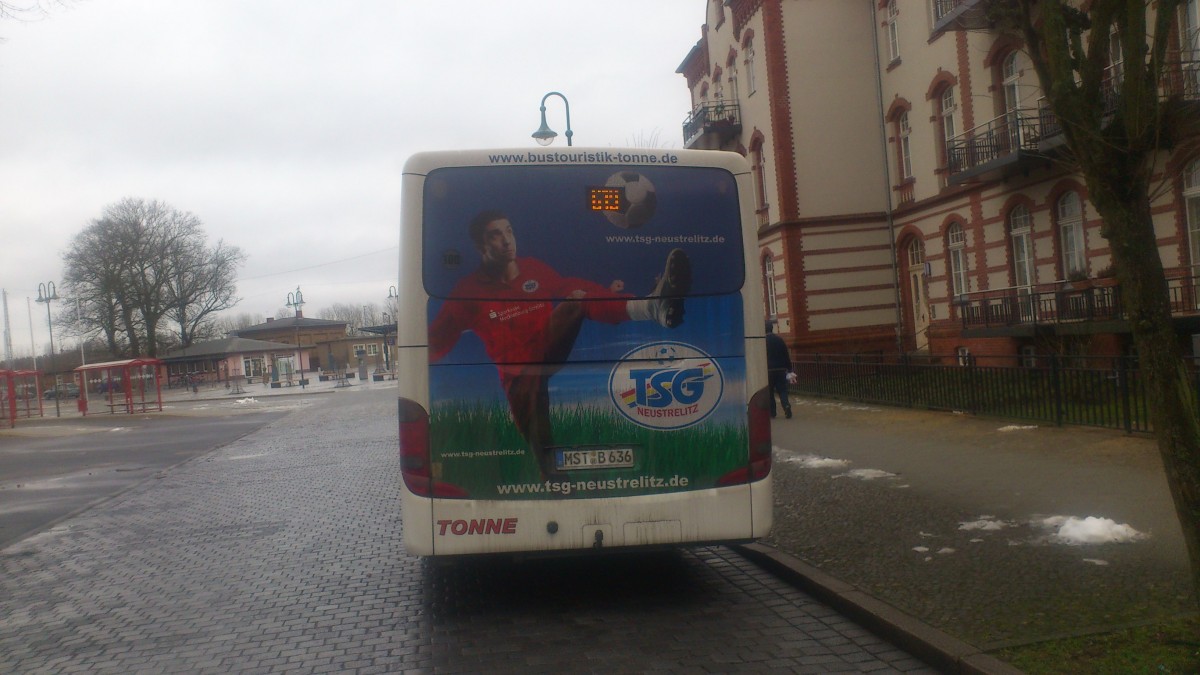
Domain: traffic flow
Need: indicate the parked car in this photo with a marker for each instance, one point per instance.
(66, 390)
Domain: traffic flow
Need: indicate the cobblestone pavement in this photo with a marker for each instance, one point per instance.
(281, 552)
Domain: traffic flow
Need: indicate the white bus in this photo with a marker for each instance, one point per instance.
(580, 348)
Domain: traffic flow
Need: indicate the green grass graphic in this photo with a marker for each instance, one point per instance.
(701, 453)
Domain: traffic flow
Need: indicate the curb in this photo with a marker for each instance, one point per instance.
(940, 650)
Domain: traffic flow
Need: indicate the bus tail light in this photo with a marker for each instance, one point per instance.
(758, 418)
(415, 465)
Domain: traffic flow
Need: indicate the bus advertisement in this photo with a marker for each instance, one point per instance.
(580, 352)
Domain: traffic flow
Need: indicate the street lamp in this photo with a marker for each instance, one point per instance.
(296, 301)
(545, 135)
(387, 328)
(46, 293)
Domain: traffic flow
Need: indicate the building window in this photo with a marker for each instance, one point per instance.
(1070, 227)
(893, 32)
(964, 356)
(1029, 356)
(1189, 43)
(1115, 71)
(1011, 87)
(751, 84)
(945, 114)
(372, 350)
(956, 247)
(906, 171)
(769, 287)
(1020, 227)
(1191, 196)
(916, 253)
(758, 169)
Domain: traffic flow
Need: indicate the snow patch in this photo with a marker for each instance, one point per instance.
(984, 523)
(816, 462)
(867, 474)
(1017, 427)
(1090, 530)
(921, 549)
(246, 401)
(1096, 561)
(838, 406)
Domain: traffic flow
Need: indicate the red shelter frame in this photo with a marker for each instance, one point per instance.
(20, 394)
(123, 386)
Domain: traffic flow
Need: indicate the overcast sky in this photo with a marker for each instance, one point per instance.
(283, 125)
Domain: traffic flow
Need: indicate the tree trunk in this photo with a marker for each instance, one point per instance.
(1171, 401)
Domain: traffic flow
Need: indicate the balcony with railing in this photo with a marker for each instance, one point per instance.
(1082, 305)
(959, 15)
(1183, 83)
(717, 122)
(1001, 146)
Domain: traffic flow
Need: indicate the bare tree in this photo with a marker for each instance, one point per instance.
(355, 316)
(201, 283)
(142, 262)
(225, 325)
(1118, 130)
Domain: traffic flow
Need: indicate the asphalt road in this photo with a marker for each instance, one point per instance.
(52, 468)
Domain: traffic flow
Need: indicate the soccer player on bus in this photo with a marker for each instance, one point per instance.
(525, 334)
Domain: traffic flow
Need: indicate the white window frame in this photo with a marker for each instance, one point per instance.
(1072, 236)
(769, 286)
(893, 31)
(1020, 229)
(1191, 200)
(956, 245)
(1189, 27)
(1189, 43)
(916, 252)
(760, 178)
(1010, 73)
(751, 82)
(1028, 356)
(372, 349)
(948, 107)
(906, 169)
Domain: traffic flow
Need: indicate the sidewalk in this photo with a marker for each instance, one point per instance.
(177, 399)
(951, 520)
(260, 389)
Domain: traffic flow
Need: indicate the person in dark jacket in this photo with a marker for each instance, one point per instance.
(779, 364)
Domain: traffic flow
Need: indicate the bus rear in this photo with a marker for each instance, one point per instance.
(580, 353)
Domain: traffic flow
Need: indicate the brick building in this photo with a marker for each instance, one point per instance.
(905, 188)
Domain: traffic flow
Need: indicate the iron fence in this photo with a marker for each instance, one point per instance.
(1080, 391)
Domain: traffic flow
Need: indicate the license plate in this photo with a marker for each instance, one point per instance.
(594, 458)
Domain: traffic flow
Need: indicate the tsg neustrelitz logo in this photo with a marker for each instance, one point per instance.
(666, 385)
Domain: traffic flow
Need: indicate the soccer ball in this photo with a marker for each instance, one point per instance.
(639, 203)
(666, 354)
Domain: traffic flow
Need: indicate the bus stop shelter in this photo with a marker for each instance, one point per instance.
(129, 386)
(20, 395)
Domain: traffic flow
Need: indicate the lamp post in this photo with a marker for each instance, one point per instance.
(46, 293)
(545, 135)
(296, 301)
(387, 359)
(393, 323)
